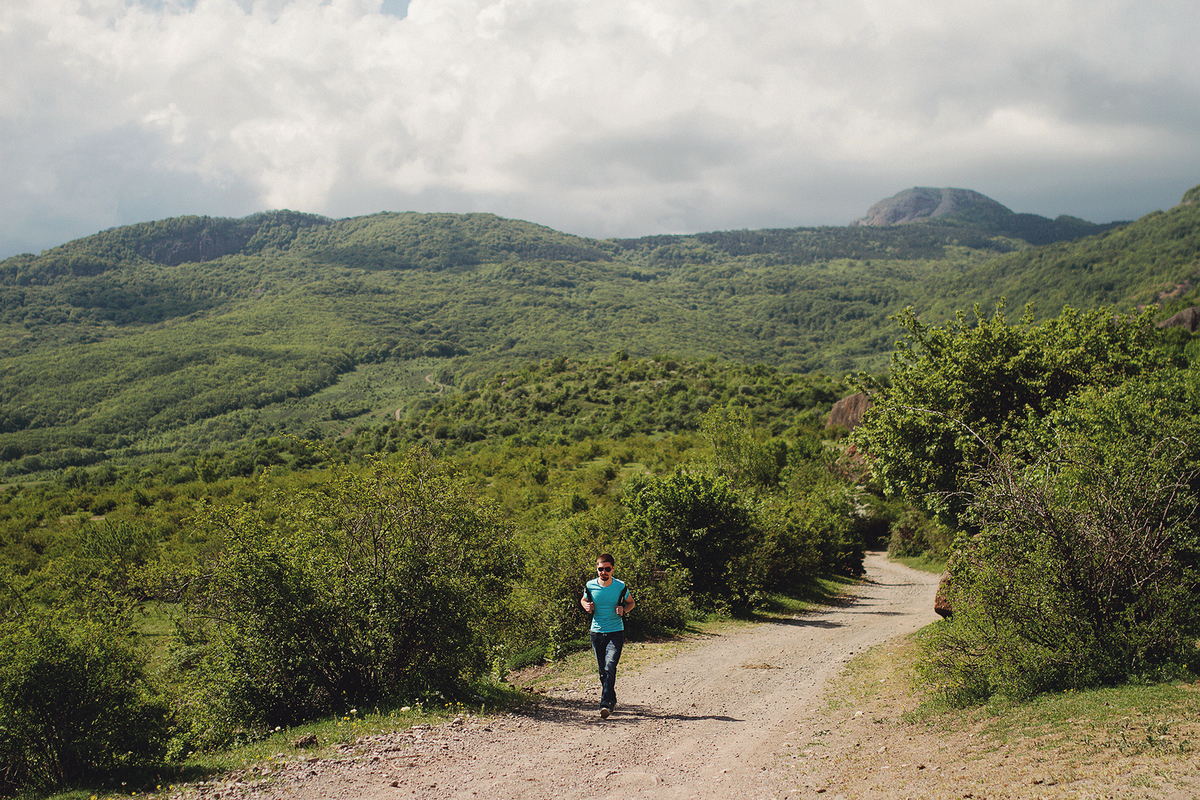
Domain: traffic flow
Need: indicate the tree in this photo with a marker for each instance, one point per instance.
(959, 388)
(746, 458)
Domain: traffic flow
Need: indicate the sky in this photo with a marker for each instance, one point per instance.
(603, 118)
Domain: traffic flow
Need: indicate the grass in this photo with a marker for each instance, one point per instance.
(1104, 742)
(923, 562)
(819, 592)
(1133, 719)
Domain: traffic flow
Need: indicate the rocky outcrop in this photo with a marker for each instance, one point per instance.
(920, 203)
(208, 243)
(977, 212)
(848, 411)
(941, 601)
(1188, 318)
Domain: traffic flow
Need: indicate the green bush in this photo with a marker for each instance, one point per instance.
(560, 561)
(75, 704)
(384, 584)
(913, 533)
(699, 522)
(1083, 573)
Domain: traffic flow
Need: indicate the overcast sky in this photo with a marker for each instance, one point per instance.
(595, 117)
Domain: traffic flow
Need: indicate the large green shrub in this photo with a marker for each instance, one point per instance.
(1082, 573)
(560, 561)
(384, 584)
(699, 522)
(75, 703)
(956, 387)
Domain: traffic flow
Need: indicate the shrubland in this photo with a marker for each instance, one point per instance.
(198, 333)
(240, 591)
(1063, 454)
(270, 469)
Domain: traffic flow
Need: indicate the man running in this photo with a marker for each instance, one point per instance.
(608, 601)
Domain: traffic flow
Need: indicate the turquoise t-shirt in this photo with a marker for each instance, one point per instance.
(605, 618)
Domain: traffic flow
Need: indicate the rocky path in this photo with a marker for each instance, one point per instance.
(711, 722)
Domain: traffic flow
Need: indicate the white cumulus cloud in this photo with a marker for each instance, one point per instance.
(623, 117)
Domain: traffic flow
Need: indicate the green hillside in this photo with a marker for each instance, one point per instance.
(261, 472)
(194, 332)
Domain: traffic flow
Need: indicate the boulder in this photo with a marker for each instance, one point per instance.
(1188, 318)
(941, 601)
(848, 411)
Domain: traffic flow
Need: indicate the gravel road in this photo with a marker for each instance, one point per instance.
(710, 722)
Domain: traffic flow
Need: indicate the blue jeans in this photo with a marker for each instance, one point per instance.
(607, 647)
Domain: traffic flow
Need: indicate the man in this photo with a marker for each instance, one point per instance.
(608, 601)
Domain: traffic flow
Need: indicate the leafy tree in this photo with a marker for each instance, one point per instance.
(954, 388)
(745, 458)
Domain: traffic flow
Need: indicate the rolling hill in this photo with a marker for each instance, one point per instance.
(197, 331)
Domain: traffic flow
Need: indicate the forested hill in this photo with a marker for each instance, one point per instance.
(195, 331)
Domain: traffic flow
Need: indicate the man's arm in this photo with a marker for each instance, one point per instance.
(626, 605)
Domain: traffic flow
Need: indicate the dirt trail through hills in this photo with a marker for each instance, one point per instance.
(710, 722)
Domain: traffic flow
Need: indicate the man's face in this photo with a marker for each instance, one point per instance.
(604, 570)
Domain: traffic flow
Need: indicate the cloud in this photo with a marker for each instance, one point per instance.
(624, 117)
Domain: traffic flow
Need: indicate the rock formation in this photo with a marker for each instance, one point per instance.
(941, 601)
(1188, 318)
(848, 411)
(913, 205)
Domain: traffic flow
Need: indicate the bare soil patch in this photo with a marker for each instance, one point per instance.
(815, 706)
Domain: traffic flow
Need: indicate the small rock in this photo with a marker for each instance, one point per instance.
(307, 740)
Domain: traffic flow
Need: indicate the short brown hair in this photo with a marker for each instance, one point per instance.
(606, 558)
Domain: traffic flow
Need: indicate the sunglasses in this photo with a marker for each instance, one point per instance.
(603, 569)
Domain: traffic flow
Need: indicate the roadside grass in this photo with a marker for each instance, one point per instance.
(818, 592)
(1137, 734)
(1159, 719)
(1130, 719)
(923, 562)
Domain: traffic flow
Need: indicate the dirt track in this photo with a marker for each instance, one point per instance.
(713, 721)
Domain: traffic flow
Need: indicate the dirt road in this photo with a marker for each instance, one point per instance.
(711, 722)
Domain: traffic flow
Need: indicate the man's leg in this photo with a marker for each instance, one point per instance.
(600, 647)
(608, 672)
